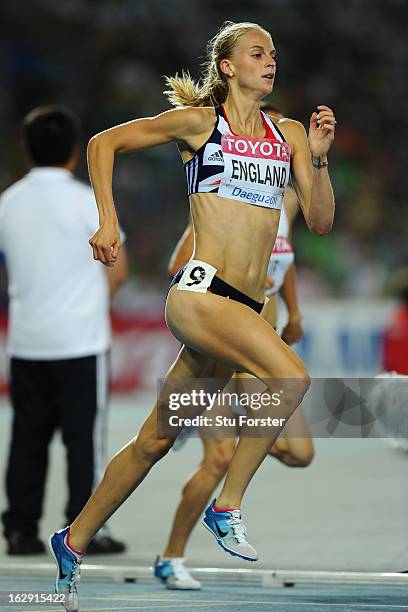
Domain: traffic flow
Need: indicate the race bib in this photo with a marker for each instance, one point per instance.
(197, 276)
(256, 170)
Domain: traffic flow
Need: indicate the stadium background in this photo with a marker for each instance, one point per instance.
(106, 60)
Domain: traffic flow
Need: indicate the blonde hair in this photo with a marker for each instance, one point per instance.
(212, 89)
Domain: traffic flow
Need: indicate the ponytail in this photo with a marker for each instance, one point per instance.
(212, 89)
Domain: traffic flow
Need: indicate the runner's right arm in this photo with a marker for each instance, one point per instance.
(180, 125)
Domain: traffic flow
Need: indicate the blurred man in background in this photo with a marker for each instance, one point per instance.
(59, 328)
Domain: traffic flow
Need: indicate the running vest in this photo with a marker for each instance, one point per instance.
(282, 255)
(244, 168)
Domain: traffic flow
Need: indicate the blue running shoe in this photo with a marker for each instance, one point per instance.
(68, 570)
(229, 531)
(174, 575)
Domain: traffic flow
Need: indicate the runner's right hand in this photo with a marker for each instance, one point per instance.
(105, 243)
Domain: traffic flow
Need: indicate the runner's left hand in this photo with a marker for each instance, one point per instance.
(321, 130)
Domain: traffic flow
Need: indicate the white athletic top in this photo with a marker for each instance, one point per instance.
(59, 295)
(248, 169)
(282, 255)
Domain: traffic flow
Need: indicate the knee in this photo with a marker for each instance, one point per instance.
(304, 379)
(302, 458)
(298, 383)
(298, 456)
(152, 449)
(296, 379)
(218, 462)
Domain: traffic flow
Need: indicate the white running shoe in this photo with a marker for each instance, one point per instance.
(175, 575)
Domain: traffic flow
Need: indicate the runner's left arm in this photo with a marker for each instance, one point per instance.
(310, 167)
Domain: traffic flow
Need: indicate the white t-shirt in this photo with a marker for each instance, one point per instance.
(59, 295)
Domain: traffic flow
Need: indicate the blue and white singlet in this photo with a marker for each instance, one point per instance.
(244, 168)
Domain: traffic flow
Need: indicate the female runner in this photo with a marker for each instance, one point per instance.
(294, 450)
(237, 165)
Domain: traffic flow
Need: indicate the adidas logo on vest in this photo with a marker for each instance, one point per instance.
(216, 156)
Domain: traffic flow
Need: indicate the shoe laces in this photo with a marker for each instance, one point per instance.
(238, 527)
(179, 570)
(75, 575)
